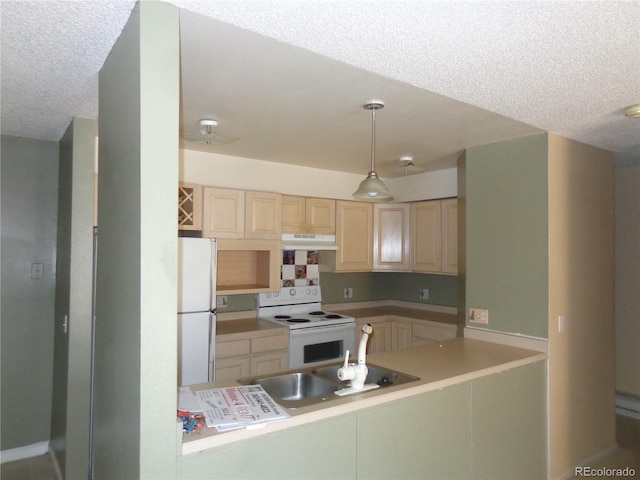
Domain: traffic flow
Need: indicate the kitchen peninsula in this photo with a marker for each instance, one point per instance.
(448, 424)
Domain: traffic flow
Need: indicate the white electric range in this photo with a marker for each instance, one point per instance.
(315, 336)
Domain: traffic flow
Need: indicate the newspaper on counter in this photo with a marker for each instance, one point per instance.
(238, 407)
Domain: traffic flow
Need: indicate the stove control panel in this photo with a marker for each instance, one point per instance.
(290, 296)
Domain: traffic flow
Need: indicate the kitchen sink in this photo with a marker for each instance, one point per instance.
(379, 375)
(314, 385)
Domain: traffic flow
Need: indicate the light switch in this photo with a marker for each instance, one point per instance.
(479, 315)
(561, 323)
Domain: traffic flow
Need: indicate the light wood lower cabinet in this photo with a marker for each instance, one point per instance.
(379, 341)
(267, 363)
(400, 335)
(395, 335)
(252, 355)
(232, 368)
(422, 334)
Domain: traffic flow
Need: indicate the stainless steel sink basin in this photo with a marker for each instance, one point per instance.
(296, 386)
(382, 376)
(310, 386)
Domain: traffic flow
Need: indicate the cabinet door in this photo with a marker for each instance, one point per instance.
(320, 216)
(422, 334)
(263, 216)
(267, 363)
(354, 235)
(379, 341)
(426, 247)
(189, 206)
(232, 368)
(293, 214)
(223, 213)
(450, 236)
(400, 336)
(391, 237)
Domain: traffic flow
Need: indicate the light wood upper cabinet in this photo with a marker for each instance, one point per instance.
(391, 236)
(293, 214)
(321, 216)
(263, 218)
(223, 215)
(354, 236)
(434, 236)
(238, 214)
(426, 237)
(189, 206)
(248, 266)
(308, 215)
(450, 236)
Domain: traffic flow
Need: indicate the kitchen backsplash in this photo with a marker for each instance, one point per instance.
(370, 286)
(299, 268)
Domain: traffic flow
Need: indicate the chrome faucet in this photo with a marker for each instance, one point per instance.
(357, 373)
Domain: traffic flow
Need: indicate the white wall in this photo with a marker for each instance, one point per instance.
(245, 173)
(581, 282)
(627, 182)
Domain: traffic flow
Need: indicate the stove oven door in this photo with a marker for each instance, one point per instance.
(314, 345)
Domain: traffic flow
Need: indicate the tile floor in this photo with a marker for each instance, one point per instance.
(627, 455)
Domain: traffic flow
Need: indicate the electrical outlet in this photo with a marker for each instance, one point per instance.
(479, 315)
(423, 293)
(222, 301)
(348, 292)
(37, 270)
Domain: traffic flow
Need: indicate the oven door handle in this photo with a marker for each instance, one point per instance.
(335, 328)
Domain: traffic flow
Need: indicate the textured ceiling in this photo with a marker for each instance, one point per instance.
(565, 67)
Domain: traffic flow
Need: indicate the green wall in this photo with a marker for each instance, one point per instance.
(74, 293)
(29, 205)
(506, 194)
(136, 323)
(367, 286)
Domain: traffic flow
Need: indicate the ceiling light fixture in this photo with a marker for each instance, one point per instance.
(633, 111)
(372, 188)
(206, 135)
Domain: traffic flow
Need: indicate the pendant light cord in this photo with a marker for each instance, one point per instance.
(373, 139)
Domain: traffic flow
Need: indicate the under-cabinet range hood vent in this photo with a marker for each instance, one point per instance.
(303, 241)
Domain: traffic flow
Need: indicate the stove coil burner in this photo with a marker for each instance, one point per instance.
(333, 315)
(317, 313)
(282, 317)
(298, 320)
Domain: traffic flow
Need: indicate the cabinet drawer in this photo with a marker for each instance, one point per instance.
(268, 363)
(266, 344)
(232, 348)
(432, 333)
(233, 368)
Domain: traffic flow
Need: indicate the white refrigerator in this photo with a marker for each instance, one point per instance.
(196, 310)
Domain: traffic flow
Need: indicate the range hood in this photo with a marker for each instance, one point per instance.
(304, 241)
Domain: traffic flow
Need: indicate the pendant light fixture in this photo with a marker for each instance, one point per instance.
(372, 188)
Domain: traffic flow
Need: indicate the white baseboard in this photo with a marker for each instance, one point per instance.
(56, 465)
(27, 451)
(596, 458)
(628, 406)
(510, 339)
